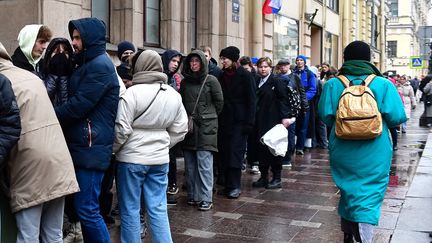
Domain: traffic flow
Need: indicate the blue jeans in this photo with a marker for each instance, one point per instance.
(43, 221)
(199, 175)
(152, 181)
(86, 203)
(302, 124)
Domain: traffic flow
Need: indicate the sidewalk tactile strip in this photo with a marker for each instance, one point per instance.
(250, 200)
(234, 216)
(289, 180)
(322, 208)
(199, 233)
(305, 224)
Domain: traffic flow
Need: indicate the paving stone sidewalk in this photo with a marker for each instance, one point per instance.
(305, 209)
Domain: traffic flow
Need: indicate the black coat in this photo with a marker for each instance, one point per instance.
(238, 115)
(239, 93)
(57, 88)
(294, 81)
(214, 69)
(10, 124)
(20, 60)
(272, 107)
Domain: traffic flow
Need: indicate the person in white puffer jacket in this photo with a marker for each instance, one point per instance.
(150, 120)
(409, 100)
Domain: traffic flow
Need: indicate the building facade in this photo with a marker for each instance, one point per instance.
(318, 29)
(403, 43)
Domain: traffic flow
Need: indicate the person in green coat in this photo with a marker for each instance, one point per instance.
(198, 147)
(360, 168)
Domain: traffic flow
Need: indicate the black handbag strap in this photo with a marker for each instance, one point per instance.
(151, 102)
(199, 94)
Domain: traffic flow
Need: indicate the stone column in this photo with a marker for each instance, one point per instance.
(257, 29)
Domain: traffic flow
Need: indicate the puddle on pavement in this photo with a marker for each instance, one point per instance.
(402, 171)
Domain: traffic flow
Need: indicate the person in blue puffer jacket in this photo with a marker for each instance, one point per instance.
(308, 80)
(88, 119)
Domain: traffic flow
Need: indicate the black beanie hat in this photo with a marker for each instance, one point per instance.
(357, 50)
(124, 46)
(231, 52)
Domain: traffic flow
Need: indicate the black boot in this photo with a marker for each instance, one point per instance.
(261, 182)
(274, 184)
(348, 238)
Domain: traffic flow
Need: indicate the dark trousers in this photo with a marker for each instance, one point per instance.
(291, 142)
(106, 195)
(302, 129)
(267, 161)
(232, 178)
(320, 139)
(232, 148)
(172, 173)
(393, 132)
(352, 228)
(70, 209)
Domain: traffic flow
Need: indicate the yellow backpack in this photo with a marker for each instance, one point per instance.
(357, 116)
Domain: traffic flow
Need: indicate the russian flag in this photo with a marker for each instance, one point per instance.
(271, 6)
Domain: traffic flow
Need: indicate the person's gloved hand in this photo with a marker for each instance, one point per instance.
(413, 107)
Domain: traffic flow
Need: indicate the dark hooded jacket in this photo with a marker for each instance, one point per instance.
(88, 117)
(10, 124)
(214, 69)
(20, 60)
(210, 104)
(166, 59)
(293, 80)
(56, 71)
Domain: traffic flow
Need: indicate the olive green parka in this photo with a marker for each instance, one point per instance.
(210, 104)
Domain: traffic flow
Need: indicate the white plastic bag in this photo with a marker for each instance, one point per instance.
(276, 139)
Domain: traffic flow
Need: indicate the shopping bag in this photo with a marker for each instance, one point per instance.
(276, 139)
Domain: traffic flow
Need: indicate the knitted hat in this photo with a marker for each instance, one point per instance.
(254, 60)
(301, 57)
(231, 52)
(357, 50)
(124, 46)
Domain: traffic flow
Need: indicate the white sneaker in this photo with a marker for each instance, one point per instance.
(74, 234)
(255, 170)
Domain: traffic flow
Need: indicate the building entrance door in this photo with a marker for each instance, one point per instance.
(316, 45)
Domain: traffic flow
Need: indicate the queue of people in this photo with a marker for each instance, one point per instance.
(78, 122)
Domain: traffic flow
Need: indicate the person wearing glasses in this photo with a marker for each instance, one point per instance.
(203, 100)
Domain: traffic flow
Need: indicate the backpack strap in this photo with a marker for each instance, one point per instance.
(369, 79)
(344, 80)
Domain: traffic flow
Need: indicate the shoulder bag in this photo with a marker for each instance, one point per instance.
(191, 123)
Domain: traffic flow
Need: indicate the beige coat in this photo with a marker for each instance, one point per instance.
(40, 165)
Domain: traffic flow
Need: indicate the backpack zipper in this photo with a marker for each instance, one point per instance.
(359, 118)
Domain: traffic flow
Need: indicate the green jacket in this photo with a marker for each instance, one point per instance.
(210, 104)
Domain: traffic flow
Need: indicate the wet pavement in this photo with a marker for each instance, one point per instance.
(305, 209)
